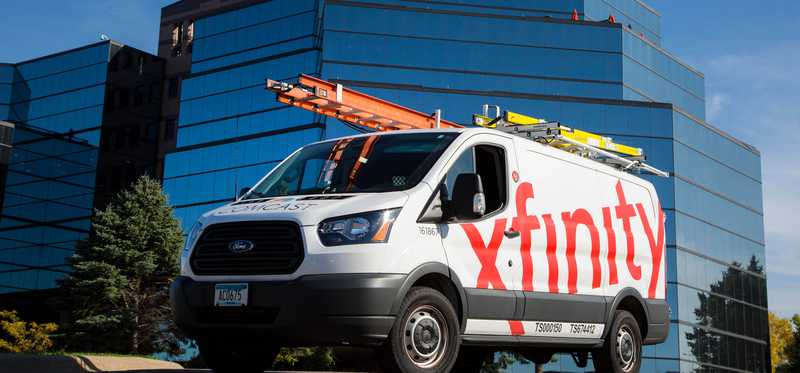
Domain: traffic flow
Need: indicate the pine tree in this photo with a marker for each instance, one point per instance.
(118, 290)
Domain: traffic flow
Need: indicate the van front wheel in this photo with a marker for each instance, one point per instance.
(424, 338)
(622, 351)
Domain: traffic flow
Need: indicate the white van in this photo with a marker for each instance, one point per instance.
(424, 243)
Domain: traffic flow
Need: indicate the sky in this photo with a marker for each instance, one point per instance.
(749, 52)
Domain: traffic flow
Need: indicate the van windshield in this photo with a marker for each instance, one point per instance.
(377, 163)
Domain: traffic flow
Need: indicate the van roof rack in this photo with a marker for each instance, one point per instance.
(357, 108)
(590, 145)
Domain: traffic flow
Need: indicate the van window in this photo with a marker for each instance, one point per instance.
(489, 162)
(366, 164)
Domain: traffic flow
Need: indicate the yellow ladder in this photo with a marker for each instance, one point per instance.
(587, 144)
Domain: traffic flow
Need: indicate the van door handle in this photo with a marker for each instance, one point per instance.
(511, 233)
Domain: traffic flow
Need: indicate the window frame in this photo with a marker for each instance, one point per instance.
(471, 147)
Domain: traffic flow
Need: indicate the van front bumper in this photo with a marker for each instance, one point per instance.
(310, 310)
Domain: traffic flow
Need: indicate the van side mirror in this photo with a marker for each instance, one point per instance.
(242, 192)
(468, 200)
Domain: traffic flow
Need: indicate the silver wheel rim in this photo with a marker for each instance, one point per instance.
(626, 348)
(425, 336)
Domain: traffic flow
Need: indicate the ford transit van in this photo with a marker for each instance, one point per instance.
(435, 247)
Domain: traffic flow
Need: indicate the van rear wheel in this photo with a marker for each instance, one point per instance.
(424, 338)
(622, 351)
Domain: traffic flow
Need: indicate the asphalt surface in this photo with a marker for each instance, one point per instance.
(32, 363)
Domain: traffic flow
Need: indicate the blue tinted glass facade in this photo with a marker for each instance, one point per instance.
(56, 103)
(230, 129)
(6, 82)
(65, 109)
(527, 56)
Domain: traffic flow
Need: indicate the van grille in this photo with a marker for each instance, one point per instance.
(277, 249)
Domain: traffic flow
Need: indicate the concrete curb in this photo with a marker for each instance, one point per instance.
(95, 363)
(24, 363)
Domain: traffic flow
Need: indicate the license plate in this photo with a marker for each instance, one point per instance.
(230, 295)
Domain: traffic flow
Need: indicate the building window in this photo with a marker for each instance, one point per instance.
(173, 87)
(189, 36)
(177, 36)
(140, 64)
(114, 178)
(124, 98)
(155, 93)
(119, 140)
(127, 60)
(5, 134)
(169, 129)
(152, 132)
(138, 96)
(133, 135)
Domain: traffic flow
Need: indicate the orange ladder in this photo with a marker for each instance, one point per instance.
(335, 101)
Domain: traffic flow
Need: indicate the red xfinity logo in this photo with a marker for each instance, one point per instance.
(527, 224)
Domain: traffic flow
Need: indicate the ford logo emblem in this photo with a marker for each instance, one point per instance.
(241, 246)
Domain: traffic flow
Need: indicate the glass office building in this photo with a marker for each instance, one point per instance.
(527, 56)
(83, 127)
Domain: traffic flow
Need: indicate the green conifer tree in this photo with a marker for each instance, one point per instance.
(118, 290)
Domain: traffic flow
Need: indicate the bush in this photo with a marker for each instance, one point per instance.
(305, 358)
(20, 336)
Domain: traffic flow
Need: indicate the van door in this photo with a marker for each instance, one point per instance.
(569, 249)
(479, 251)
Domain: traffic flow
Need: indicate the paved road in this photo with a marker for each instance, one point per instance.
(27, 363)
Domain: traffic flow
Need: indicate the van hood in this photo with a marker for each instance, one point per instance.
(306, 210)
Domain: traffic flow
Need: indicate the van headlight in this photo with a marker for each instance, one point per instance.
(366, 227)
(193, 235)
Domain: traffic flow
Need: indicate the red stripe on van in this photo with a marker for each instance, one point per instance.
(656, 245)
(487, 254)
(525, 225)
(571, 222)
(625, 212)
(612, 247)
(552, 260)
(516, 327)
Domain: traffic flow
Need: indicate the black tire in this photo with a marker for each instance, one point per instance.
(221, 356)
(425, 336)
(622, 351)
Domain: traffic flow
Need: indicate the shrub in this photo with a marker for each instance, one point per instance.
(19, 336)
(305, 358)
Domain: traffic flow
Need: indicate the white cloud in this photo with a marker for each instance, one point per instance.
(715, 105)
